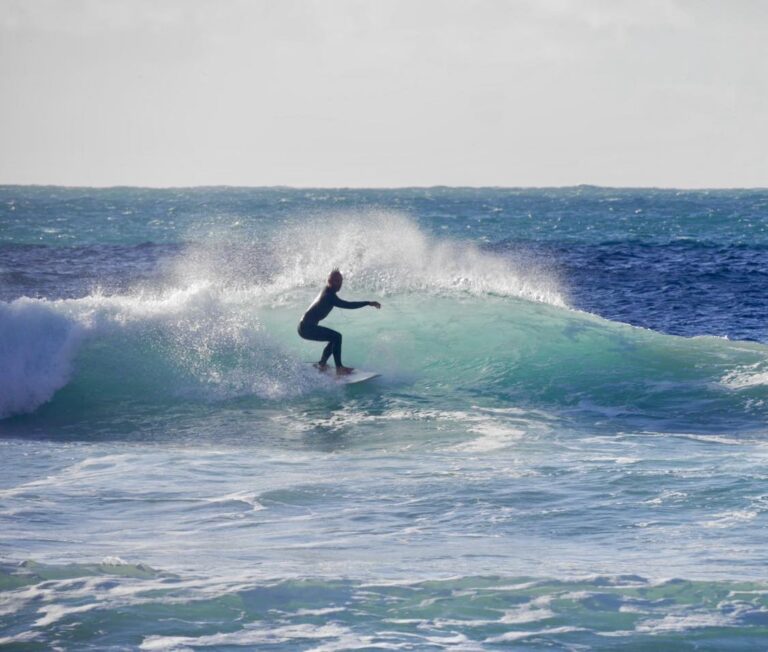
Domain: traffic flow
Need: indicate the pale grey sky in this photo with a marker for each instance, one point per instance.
(384, 92)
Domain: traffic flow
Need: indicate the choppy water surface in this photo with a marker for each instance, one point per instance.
(566, 449)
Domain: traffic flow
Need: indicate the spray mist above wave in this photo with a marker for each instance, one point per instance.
(383, 251)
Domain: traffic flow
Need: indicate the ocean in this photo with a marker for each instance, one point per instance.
(567, 447)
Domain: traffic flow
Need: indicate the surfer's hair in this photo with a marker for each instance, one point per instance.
(335, 273)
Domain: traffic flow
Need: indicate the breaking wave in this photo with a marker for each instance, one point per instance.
(222, 325)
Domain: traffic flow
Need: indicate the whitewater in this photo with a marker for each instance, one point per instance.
(567, 447)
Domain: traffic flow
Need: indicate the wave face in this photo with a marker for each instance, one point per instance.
(566, 447)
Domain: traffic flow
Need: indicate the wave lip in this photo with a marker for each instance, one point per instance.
(37, 348)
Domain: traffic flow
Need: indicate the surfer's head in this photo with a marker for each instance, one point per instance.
(335, 279)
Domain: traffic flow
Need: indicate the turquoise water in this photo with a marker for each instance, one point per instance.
(566, 449)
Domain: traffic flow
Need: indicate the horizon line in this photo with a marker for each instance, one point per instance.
(406, 187)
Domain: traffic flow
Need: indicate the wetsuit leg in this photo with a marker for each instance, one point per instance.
(326, 353)
(323, 334)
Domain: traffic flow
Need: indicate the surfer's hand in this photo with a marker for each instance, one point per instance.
(375, 304)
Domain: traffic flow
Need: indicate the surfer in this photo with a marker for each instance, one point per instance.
(310, 329)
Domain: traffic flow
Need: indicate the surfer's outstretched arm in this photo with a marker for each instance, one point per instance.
(353, 305)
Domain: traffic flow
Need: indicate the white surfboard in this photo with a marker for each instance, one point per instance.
(357, 376)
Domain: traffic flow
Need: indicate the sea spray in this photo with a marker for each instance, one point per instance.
(384, 252)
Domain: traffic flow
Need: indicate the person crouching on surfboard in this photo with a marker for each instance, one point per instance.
(310, 329)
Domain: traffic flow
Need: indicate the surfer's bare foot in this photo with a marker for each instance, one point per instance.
(340, 371)
(321, 366)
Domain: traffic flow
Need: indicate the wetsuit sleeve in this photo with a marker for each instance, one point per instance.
(351, 305)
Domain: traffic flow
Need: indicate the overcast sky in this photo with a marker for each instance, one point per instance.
(669, 93)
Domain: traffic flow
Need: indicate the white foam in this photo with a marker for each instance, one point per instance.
(496, 430)
(247, 497)
(37, 347)
(71, 476)
(23, 637)
(753, 375)
(55, 612)
(712, 439)
(680, 622)
(318, 612)
(667, 495)
(528, 613)
(509, 637)
(493, 437)
(343, 638)
(731, 518)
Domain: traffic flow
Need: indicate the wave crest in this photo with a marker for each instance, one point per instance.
(379, 251)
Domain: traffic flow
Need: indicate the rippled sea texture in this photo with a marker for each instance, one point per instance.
(566, 448)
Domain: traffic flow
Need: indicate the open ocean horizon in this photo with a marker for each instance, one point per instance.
(567, 447)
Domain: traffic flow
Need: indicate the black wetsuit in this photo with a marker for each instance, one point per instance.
(321, 306)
